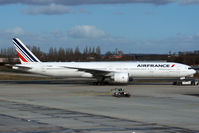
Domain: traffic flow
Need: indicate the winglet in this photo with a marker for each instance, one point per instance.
(25, 55)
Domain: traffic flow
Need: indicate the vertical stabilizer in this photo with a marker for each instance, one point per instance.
(25, 55)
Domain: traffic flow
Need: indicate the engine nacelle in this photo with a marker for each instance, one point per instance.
(121, 77)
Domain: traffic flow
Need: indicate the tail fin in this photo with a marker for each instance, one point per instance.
(25, 55)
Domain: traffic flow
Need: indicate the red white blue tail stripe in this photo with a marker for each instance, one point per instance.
(25, 55)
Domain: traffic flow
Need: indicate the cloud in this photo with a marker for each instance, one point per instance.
(48, 10)
(84, 2)
(189, 2)
(179, 42)
(52, 7)
(86, 31)
(15, 31)
(86, 35)
(43, 39)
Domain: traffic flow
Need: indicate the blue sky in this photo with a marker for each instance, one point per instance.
(136, 26)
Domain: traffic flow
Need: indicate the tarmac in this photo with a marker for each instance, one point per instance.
(74, 106)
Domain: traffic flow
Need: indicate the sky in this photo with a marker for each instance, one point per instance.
(133, 26)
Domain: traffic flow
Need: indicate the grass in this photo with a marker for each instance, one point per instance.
(20, 77)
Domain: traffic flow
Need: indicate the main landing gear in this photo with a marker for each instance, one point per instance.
(100, 81)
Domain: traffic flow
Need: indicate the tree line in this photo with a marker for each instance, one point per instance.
(94, 54)
(57, 54)
(189, 58)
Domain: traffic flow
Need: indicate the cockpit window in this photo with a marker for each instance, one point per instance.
(190, 68)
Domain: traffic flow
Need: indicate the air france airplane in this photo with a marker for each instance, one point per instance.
(118, 72)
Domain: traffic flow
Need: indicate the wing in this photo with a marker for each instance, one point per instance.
(94, 72)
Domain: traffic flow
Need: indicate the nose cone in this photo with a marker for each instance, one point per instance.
(192, 71)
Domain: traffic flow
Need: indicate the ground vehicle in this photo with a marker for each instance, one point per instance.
(187, 82)
(120, 92)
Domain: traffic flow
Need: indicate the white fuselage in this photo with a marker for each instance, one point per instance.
(134, 69)
(119, 72)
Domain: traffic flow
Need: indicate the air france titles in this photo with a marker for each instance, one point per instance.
(154, 65)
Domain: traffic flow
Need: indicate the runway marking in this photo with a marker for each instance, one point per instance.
(20, 117)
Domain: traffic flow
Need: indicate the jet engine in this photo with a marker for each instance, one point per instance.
(121, 77)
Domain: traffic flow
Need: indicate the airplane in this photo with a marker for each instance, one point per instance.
(116, 72)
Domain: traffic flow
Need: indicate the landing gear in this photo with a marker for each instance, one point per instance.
(100, 81)
(186, 82)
